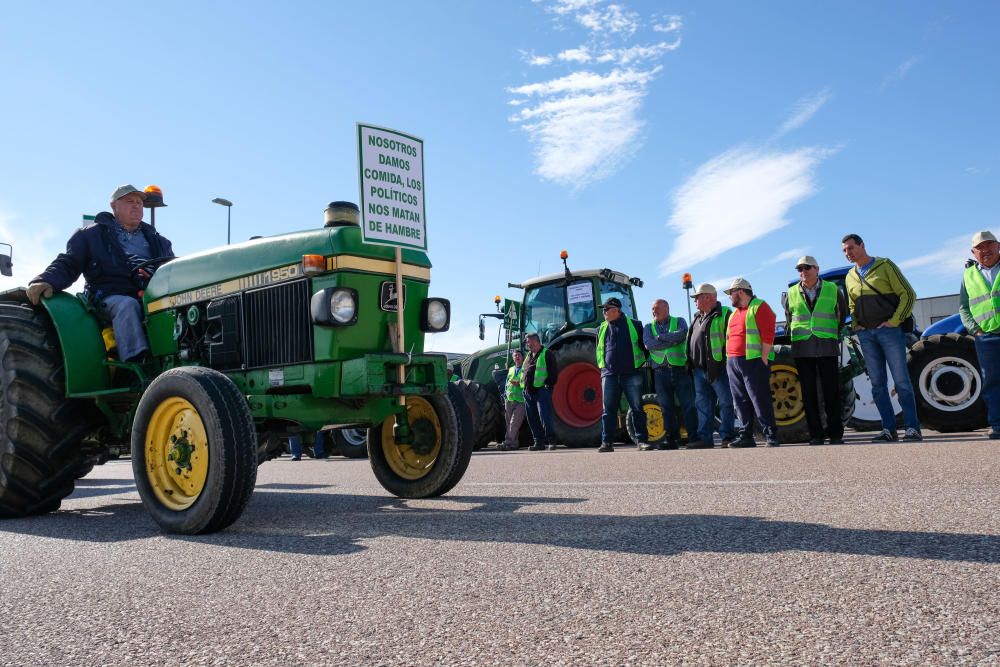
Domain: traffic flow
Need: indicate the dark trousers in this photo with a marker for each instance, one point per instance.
(538, 409)
(988, 351)
(612, 388)
(822, 372)
(673, 382)
(750, 382)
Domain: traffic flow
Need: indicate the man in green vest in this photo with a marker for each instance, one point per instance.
(706, 347)
(513, 403)
(666, 340)
(749, 343)
(539, 377)
(620, 356)
(815, 311)
(979, 309)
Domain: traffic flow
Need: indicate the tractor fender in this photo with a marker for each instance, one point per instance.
(81, 342)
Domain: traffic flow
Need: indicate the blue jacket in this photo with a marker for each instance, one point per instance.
(95, 252)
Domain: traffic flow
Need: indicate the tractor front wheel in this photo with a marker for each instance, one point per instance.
(194, 451)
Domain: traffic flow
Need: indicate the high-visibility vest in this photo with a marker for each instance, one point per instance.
(753, 345)
(637, 356)
(675, 355)
(822, 321)
(984, 301)
(717, 334)
(515, 392)
(541, 372)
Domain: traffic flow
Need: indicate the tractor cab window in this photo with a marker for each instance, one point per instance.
(545, 311)
(621, 292)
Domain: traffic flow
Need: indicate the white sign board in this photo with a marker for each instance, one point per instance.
(580, 292)
(392, 188)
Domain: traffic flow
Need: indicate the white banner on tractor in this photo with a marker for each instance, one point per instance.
(391, 167)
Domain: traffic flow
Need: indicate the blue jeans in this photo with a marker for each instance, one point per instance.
(538, 409)
(295, 445)
(706, 396)
(671, 382)
(612, 386)
(126, 320)
(988, 351)
(881, 347)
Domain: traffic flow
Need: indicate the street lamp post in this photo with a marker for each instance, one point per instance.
(229, 209)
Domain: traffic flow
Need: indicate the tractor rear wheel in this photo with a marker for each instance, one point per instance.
(491, 413)
(40, 430)
(467, 411)
(655, 424)
(944, 370)
(433, 463)
(786, 395)
(194, 450)
(576, 398)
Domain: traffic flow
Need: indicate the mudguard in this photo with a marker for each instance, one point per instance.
(81, 342)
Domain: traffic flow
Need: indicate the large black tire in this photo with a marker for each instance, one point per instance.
(786, 395)
(351, 443)
(491, 413)
(194, 450)
(467, 411)
(576, 398)
(436, 460)
(40, 430)
(947, 382)
(655, 424)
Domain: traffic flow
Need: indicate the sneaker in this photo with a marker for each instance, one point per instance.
(536, 448)
(700, 444)
(913, 435)
(816, 441)
(836, 441)
(646, 447)
(993, 435)
(741, 443)
(296, 458)
(552, 447)
(886, 436)
(772, 441)
(605, 447)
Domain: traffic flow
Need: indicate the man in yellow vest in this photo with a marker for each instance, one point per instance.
(706, 347)
(666, 340)
(539, 377)
(620, 356)
(513, 403)
(815, 311)
(749, 343)
(979, 309)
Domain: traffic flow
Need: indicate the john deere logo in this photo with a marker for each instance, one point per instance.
(389, 300)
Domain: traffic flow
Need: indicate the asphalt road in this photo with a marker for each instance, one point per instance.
(856, 554)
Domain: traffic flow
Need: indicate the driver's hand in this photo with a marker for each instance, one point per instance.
(37, 290)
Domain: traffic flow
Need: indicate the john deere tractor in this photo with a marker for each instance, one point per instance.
(249, 344)
(564, 309)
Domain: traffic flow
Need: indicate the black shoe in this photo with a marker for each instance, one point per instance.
(993, 435)
(296, 458)
(700, 444)
(836, 441)
(605, 447)
(886, 436)
(670, 445)
(913, 435)
(552, 447)
(536, 448)
(773, 441)
(816, 441)
(646, 447)
(742, 443)
(726, 442)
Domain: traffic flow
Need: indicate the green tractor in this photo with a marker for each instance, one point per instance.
(249, 344)
(564, 309)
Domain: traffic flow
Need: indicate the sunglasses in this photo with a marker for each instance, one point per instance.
(804, 267)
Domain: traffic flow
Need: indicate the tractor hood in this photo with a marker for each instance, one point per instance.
(211, 268)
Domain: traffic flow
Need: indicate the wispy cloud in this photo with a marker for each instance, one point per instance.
(585, 124)
(805, 108)
(901, 71)
(946, 261)
(738, 197)
(788, 255)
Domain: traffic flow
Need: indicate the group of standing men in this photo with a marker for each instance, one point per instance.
(721, 363)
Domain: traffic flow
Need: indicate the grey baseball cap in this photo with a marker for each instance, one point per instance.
(704, 288)
(807, 260)
(739, 283)
(123, 190)
(979, 237)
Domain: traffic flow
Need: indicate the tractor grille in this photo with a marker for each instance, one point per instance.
(277, 325)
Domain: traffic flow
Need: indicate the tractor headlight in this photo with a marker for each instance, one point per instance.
(335, 305)
(435, 315)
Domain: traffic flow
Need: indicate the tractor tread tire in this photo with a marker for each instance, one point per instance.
(491, 409)
(577, 351)
(41, 430)
(468, 412)
(961, 349)
(347, 447)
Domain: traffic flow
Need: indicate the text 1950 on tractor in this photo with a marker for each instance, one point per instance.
(249, 344)
(564, 309)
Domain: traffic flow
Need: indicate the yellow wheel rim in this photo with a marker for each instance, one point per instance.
(176, 454)
(415, 460)
(786, 393)
(654, 422)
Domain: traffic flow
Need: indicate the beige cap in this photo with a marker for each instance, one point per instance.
(808, 260)
(704, 288)
(979, 237)
(739, 283)
(123, 190)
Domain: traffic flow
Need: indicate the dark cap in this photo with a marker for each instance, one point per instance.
(612, 302)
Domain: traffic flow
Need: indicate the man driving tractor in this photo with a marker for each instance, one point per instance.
(116, 254)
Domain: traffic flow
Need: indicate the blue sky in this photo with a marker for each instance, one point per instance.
(722, 138)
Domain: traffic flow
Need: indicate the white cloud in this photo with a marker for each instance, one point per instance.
(538, 61)
(584, 125)
(578, 55)
(637, 54)
(793, 253)
(609, 19)
(947, 261)
(35, 246)
(901, 71)
(805, 108)
(735, 198)
(563, 7)
(670, 24)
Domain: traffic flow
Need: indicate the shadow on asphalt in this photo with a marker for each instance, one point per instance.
(332, 524)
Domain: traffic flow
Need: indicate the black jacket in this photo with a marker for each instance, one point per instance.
(95, 252)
